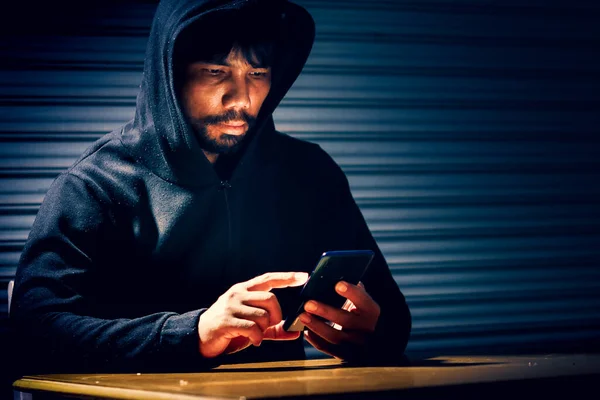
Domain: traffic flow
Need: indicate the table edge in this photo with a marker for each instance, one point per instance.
(32, 384)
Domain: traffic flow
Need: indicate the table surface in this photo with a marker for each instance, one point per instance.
(312, 377)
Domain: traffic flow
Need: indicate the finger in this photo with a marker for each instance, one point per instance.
(348, 305)
(320, 344)
(273, 280)
(258, 315)
(267, 301)
(336, 315)
(278, 333)
(237, 344)
(245, 328)
(352, 308)
(327, 332)
(357, 295)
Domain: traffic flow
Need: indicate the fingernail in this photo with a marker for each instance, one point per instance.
(310, 306)
(341, 287)
(301, 276)
(305, 318)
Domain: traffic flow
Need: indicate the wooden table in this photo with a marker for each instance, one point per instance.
(448, 376)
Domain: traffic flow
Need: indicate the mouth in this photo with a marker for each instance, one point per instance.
(234, 127)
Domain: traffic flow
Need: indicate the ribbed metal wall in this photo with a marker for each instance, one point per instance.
(468, 131)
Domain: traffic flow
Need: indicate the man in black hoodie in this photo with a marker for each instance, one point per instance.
(172, 243)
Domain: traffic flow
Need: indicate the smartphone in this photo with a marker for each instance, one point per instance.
(333, 266)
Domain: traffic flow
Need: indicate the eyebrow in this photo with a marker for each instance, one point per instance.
(223, 62)
(226, 64)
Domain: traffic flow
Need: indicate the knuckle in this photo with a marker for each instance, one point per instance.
(232, 295)
(225, 321)
(264, 277)
(228, 311)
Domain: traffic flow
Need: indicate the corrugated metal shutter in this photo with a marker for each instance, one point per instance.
(468, 130)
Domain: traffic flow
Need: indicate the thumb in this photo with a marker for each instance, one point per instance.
(276, 332)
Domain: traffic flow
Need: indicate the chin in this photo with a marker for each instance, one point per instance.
(225, 138)
(229, 143)
(219, 142)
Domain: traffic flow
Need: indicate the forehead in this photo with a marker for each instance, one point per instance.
(236, 57)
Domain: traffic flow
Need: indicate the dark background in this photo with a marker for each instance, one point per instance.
(468, 130)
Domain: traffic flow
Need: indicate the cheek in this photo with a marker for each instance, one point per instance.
(200, 102)
(259, 96)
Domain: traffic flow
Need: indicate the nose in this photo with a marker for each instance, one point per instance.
(237, 95)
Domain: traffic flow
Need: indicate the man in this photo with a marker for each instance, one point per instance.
(176, 242)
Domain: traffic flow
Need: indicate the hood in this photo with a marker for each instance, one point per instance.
(159, 136)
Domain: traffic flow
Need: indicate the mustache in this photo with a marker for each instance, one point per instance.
(229, 116)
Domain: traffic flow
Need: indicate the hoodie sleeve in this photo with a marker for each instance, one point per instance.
(52, 312)
(388, 343)
(392, 332)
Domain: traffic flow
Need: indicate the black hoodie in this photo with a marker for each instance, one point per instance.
(141, 235)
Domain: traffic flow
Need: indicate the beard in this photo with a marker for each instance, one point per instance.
(224, 143)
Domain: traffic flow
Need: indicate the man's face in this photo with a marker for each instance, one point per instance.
(222, 100)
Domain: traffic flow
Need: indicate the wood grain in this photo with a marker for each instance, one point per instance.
(311, 377)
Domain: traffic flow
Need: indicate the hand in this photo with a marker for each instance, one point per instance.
(352, 324)
(247, 313)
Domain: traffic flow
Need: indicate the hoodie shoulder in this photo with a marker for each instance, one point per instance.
(289, 147)
(109, 168)
(306, 157)
(107, 152)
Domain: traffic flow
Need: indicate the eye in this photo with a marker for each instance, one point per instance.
(214, 71)
(258, 74)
